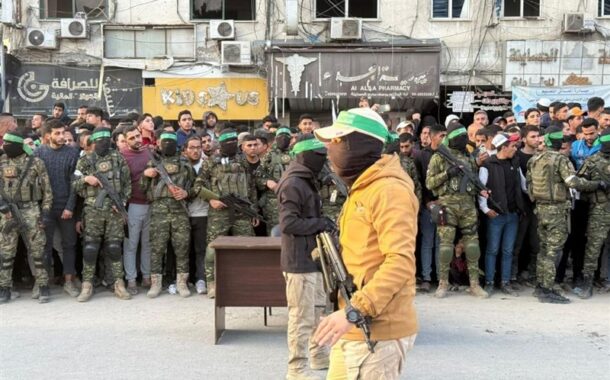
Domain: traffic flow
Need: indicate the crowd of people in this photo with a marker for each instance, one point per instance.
(134, 206)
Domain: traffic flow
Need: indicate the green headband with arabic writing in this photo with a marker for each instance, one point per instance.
(283, 131)
(604, 138)
(227, 136)
(168, 136)
(100, 135)
(363, 124)
(456, 133)
(552, 136)
(306, 145)
(18, 140)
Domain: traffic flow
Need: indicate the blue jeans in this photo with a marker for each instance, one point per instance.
(429, 241)
(502, 228)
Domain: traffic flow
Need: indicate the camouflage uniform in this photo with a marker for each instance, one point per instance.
(100, 221)
(225, 175)
(168, 218)
(549, 175)
(596, 168)
(461, 212)
(332, 198)
(34, 188)
(408, 165)
(271, 168)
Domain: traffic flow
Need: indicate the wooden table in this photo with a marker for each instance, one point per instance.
(247, 274)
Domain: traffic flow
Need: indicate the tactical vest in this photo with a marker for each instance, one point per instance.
(229, 176)
(12, 170)
(177, 170)
(602, 173)
(546, 185)
(279, 162)
(108, 166)
(454, 184)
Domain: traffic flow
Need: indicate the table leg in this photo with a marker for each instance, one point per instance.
(219, 323)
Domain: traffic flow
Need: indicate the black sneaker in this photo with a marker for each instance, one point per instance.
(508, 289)
(489, 288)
(45, 294)
(551, 296)
(5, 295)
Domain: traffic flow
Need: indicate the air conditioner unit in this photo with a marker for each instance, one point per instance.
(345, 29)
(222, 30)
(236, 53)
(40, 39)
(573, 22)
(73, 28)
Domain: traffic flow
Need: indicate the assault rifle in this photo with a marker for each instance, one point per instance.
(235, 203)
(107, 189)
(338, 281)
(17, 220)
(335, 179)
(164, 175)
(467, 177)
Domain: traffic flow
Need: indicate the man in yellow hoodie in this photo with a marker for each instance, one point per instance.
(378, 226)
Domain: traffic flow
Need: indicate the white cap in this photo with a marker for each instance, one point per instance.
(403, 124)
(544, 102)
(449, 119)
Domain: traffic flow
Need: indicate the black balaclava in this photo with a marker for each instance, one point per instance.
(228, 142)
(168, 145)
(282, 139)
(310, 153)
(604, 139)
(13, 144)
(457, 137)
(553, 138)
(353, 155)
(101, 138)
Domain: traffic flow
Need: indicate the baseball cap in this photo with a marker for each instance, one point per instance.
(403, 124)
(575, 111)
(503, 138)
(498, 119)
(449, 119)
(363, 120)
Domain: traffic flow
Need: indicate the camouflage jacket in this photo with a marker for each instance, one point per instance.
(408, 165)
(439, 182)
(273, 165)
(35, 187)
(113, 166)
(181, 174)
(226, 175)
(597, 168)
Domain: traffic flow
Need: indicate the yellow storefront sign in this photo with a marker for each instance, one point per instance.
(229, 98)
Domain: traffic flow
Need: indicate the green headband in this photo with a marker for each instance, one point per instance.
(12, 138)
(552, 136)
(456, 133)
(100, 135)
(226, 136)
(306, 145)
(392, 137)
(27, 149)
(168, 136)
(363, 124)
(603, 139)
(282, 130)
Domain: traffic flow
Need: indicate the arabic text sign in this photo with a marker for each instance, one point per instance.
(354, 74)
(37, 87)
(230, 98)
(469, 101)
(538, 63)
(527, 97)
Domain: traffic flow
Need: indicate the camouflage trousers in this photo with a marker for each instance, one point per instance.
(223, 223)
(8, 248)
(271, 213)
(331, 210)
(174, 226)
(552, 233)
(102, 225)
(597, 230)
(462, 215)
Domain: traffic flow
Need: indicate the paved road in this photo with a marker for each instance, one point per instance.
(460, 338)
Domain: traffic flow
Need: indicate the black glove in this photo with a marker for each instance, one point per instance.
(603, 186)
(326, 224)
(454, 171)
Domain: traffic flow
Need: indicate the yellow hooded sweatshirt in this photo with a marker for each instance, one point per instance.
(378, 230)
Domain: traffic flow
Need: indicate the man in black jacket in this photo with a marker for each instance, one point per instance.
(300, 217)
(502, 175)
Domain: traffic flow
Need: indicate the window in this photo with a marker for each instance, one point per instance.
(223, 9)
(521, 8)
(346, 8)
(603, 9)
(149, 42)
(94, 9)
(450, 9)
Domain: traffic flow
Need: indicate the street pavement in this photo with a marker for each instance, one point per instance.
(166, 338)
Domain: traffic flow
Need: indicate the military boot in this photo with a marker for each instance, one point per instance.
(45, 294)
(551, 296)
(120, 291)
(476, 290)
(441, 291)
(212, 289)
(183, 288)
(35, 292)
(586, 288)
(86, 292)
(155, 286)
(5, 295)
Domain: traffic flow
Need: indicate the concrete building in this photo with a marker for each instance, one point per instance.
(232, 56)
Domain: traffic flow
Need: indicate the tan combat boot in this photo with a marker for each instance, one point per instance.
(86, 292)
(120, 291)
(212, 289)
(441, 291)
(155, 286)
(476, 290)
(181, 284)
